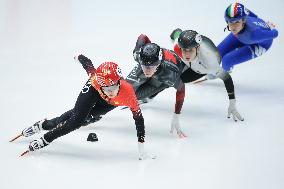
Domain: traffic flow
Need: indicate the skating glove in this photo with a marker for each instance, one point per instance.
(232, 110)
(86, 63)
(175, 125)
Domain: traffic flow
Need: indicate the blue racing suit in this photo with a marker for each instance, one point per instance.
(252, 41)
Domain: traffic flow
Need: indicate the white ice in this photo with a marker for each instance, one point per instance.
(39, 79)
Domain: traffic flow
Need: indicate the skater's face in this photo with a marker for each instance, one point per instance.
(149, 71)
(111, 91)
(236, 26)
(189, 54)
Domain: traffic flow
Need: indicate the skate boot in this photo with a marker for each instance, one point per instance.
(35, 128)
(35, 145)
(38, 144)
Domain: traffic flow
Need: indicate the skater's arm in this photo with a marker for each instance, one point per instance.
(141, 41)
(137, 114)
(86, 63)
(178, 50)
(228, 82)
(263, 35)
(175, 123)
(232, 109)
(139, 123)
(180, 94)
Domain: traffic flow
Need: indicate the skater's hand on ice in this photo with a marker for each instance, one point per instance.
(232, 110)
(175, 125)
(271, 25)
(142, 154)
(145, 155)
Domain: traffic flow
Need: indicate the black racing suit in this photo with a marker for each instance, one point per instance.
(167, 75)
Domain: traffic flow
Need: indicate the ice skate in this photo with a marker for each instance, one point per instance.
(29, 131)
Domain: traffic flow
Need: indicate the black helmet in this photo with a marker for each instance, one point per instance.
(189, 39)
(150, 54)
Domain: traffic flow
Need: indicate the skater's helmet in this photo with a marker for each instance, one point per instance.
(235, 12)
(150, 54)
(107, 74)
(189, 39)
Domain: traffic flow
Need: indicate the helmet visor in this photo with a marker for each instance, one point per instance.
(235, 20)
(156, 63)
(112, 88)
(149, 71)
(188, 49)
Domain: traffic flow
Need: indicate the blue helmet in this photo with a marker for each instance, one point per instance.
(235, 12)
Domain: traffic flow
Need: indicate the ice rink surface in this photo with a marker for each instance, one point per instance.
(39, 79)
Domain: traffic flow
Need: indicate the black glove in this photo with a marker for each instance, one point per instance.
(86, 63)
(84, 60)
